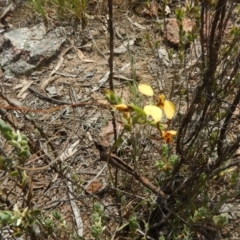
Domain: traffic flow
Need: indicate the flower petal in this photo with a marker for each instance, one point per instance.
(154, 112)
(122, 107)
(169, 109)
(145, 89)
(161, 101)
(168, 135)
(172, 132)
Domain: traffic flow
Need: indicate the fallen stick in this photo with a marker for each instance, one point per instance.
(118, 163)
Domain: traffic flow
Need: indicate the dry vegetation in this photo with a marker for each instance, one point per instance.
(68, 191)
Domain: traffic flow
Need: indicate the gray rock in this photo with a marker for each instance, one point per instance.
(21, 68)
(29, 48)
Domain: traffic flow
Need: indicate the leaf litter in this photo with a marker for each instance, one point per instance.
(80, 157)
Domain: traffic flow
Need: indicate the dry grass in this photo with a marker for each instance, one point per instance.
(71, 180)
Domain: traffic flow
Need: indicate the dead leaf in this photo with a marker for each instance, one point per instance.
(60, 60)
(23, 96)
(119, 76)
(69, 151)
(75, 208)
(15, 102)
(46, 82)
(167, 10)
(104, 78)
(101, 82)
(52, 90)
(26, 85)
(107, 133)
(146, 12)
(136, 24)
(82, 57)
(163, 55)
(125, 67)
(10, 8)
(95, 187)
(91, 17)
(92, 120)
(55, 69)
(102, 101)
(59, 63)
(39, 184)
(80, 54)
(21, 84)
(124, 47)
(67, 74)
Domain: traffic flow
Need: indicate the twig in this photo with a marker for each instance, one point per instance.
(110, 60)
(218, 170)
(75, 209)
(11, 7)
(99, 51)
(59, 63)
(3, 153)
(224, 128)
(111, 34)
(45, 98)
(95, 177)
(54, 161)
(118, 163)
(74, 105)
(203, 13)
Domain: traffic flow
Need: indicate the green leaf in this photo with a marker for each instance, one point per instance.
(138, 110)
(35, 212)
(112, 97)
(14, 174)
(5, 217)
(220, 220)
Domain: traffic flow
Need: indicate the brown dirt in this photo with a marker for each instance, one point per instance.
(49, 132)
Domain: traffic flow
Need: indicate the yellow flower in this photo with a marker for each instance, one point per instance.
(161, 100)
(122, 107)
(145, 89)
(127, 115)
(168, 135)
(167, 106)
(154, 112)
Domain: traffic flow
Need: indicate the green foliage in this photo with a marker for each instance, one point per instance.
(149, 115)
(200, 214)
(190, 169)
(54, 223)
(64, 8)
(18, 140)
(19, 220)
(167, 162)
(19, 154)
(39, 7)
(112, 98)
(220, 220)
(97, 227)
(133, 224)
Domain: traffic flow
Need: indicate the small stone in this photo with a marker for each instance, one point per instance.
(96, 187)
(70, 56)
(172, 29)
